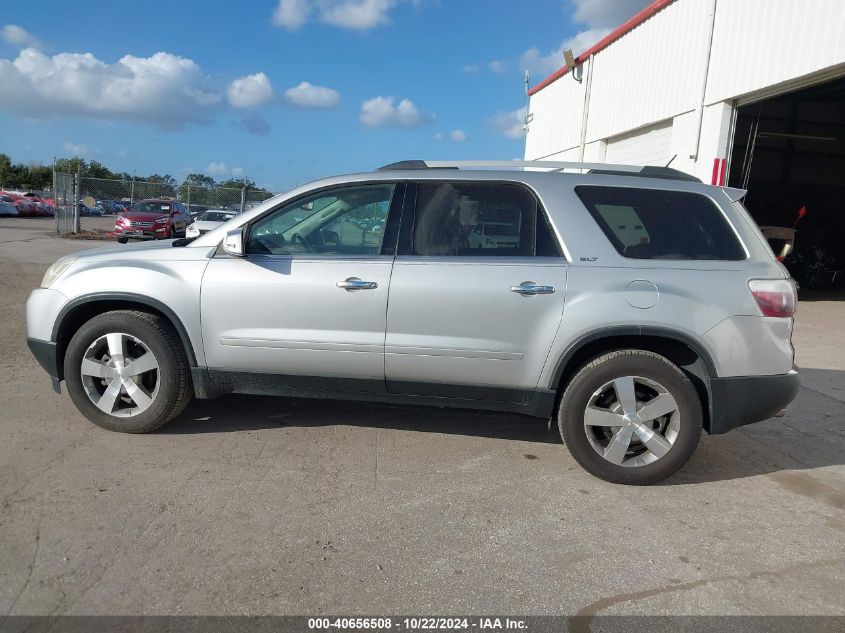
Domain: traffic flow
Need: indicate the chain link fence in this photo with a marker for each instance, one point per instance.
(64, 203)
(79, 196)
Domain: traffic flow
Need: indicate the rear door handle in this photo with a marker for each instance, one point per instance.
(530, 288)
(354, 283)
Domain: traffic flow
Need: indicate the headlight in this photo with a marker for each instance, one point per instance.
(192, 231)
(163, 220)
(55, 271)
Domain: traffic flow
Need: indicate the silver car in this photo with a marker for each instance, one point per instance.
(636, 308)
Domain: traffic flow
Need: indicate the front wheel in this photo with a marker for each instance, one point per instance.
(127, 371)
(630, 417)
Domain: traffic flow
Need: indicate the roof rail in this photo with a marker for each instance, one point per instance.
(648, 171)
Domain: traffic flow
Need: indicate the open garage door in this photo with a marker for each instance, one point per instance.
(789, 153)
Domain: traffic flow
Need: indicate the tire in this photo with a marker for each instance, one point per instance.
(123, 240)
(656, 447)
(129, 403)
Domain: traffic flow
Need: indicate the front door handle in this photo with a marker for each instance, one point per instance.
(527, 288)
(354, 283)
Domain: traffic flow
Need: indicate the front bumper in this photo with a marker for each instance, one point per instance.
(157, 232)
(45, 354)
(744, 400)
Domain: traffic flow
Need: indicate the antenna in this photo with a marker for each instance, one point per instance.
(526, 78)
(572, 64)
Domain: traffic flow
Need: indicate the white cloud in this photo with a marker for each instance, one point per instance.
(470, 68)
(291, 14)
(17, 36)
(359, 15)
(510, 124)
(599, 16)
(250, 91)
(77, 149)
(306, 95)
(355, 14)
(456, 135)
(163, 89)
(237, 172)
(380, 112)
(537, 62)
(497, 66)
(606, 14)
(217, 169)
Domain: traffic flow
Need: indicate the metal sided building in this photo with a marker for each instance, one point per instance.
(745, 93)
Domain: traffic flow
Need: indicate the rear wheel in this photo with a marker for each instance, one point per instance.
(127, 371)
(123, 240)
(630, 417)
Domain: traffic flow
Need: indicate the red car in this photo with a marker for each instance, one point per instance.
(152, 220)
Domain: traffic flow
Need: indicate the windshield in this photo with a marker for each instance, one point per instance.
(150, 207)
(215, 216)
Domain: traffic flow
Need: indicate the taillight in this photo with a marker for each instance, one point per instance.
(775, 297)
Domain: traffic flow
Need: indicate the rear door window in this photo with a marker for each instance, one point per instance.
(661, 224)
(480, 219)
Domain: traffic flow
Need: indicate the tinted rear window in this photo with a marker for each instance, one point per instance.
(659, 224)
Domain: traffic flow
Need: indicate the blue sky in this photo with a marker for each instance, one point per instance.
(217, 87)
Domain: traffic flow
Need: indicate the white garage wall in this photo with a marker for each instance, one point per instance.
(761, 43)
(653, 76)
(557, 119)
(647, 146)
(635, 83)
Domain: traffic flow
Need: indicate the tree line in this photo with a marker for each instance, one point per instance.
(35, 176)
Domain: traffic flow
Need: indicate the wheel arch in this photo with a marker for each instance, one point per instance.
(83, 308)
(689, 355)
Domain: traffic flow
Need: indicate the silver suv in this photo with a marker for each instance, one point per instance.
(635, 306)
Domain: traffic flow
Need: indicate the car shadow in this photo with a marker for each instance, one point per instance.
(233, 413)
(811, 434)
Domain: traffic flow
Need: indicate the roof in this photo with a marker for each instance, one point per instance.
(606, 41)
(608, 169)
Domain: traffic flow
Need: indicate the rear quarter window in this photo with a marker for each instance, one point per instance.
(661, 224)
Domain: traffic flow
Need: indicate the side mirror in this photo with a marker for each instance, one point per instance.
(233, 243)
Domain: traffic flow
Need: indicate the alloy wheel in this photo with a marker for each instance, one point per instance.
(120, 374)
(632, 421)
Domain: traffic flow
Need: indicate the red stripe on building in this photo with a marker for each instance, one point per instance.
(714, 179)
(722, 172)
(606, 41)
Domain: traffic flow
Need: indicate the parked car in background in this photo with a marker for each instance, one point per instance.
(7, 207)
(494, 235)
(113, 207)
(93, 211)
(43, 207)
(26, 207)
(152, 220)
(207, 221)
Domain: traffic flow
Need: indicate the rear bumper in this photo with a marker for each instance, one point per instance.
(747, 399)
